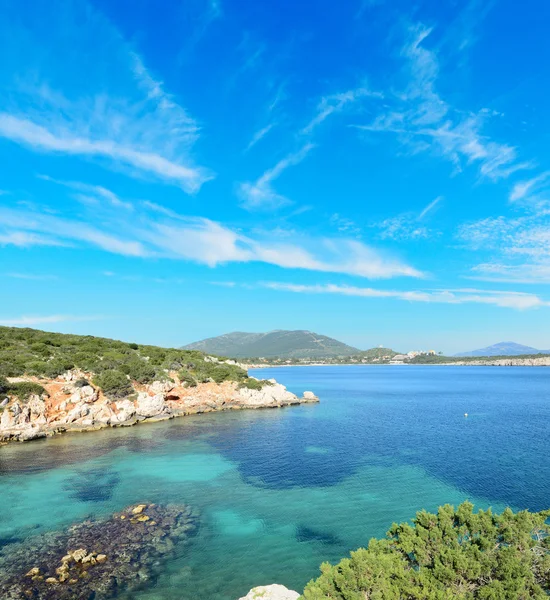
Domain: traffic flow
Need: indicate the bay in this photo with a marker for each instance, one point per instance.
(280, 491)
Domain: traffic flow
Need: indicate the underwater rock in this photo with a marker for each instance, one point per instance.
(92, 485)
(96, 559)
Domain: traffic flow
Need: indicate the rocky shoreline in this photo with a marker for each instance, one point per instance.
(96, 559)
(72, 403)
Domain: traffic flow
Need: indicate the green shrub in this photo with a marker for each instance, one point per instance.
(455, 554)
(4, 385)
(254, 384)
(57, 367)
(139, 371)
(186, 377)
(114, 384)
(25, 389)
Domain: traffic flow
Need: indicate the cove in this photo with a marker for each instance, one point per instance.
(280, 491)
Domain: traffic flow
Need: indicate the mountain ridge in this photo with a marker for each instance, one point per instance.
(504, 349)
(280, 343)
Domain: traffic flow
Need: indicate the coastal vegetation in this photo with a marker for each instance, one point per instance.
(455, 553)
(112, 365)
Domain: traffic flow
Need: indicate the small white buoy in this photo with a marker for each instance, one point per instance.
(465, 414)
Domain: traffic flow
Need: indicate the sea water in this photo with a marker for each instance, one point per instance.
(280, 491)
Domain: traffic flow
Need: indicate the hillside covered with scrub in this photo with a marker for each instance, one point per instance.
(114, 365)
(51, 383)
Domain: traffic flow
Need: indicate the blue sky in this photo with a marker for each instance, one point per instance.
(374, 170)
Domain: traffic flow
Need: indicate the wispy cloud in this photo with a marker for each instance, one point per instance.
(408, 225)
(430, 207)
(335, 103)
(24, 239)
(32, 228)
(96, 191)
(152, 233)
(132, 124)
(29, 133)
(531, 188)
(424, 121)
(31, 320)
(402, 227)
(516, 300)
(260, 134)
(520, 247)
(260, 195)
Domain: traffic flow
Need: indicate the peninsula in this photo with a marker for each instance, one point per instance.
(52, 383)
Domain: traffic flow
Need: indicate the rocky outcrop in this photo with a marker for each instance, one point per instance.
(271, 592)
(97, 559)
(68, 405)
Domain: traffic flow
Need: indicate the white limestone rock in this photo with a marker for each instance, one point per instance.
(125, 410)
(7, 420)
(84, 394)
(31, 432)
(270, 395)
(271, 592)
(79, 411)
(161, 387)
(150, 406)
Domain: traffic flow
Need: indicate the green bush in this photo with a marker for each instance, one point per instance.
(254, 384)
(25, 351)
(114, 384)
(139, 371)
(4, 385)
(25, 389)
(455, 554)
(57, 367)
(186, 377)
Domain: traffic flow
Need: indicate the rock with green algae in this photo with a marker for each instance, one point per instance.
(96, 559)
(271, 592)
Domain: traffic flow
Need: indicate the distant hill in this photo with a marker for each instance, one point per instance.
(379, 353)
(281, 343)
(504, 349)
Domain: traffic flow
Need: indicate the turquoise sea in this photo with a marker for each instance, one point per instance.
(280, 491)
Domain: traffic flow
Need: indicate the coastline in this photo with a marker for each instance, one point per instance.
(66, 408)
(500, 362)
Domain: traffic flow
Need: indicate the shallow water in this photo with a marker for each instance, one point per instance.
(280, 491)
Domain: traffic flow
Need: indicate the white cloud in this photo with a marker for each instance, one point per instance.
(430, 207)
(260, 134)
(520, 247)
(25, 131)
(424, 121)
(408, 225)
(24, 239)
(106, 105)
(516, 300)
(260, 195)
(30, 227)
(96, 191)
(335, 103)
(154, 234)
(403, 227)
(524, 189)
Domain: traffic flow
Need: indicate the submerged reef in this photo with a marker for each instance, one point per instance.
(96, 559)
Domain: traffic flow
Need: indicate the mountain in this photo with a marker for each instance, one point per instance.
(504, 349)
(280, 343)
